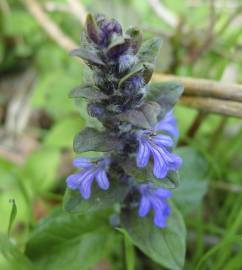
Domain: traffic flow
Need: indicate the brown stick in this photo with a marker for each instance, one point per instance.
(49, 26)
(205, 88)
(228, 108)
(78, 10)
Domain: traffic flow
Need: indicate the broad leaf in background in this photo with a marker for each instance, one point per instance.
(41, 168)
(91, 139)
(99, 200)
(61, 135)
(166, 94)
(165, 246)
(13, 258)
(64, 241)
(194, 179)
(50, 91)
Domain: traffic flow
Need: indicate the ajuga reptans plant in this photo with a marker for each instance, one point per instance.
(138, 166)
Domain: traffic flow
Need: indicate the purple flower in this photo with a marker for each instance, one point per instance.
(155, 199)
(126, 61)
(90, 170)
(107, 29)
(168, 125)
(95, 109)
(159, 145)
(133, 84)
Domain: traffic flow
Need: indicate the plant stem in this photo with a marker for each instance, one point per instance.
(129, 253)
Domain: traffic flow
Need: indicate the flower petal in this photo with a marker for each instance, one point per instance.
(82, 162)
(73, 181)
(161, 212)
(144, 206)
(168, 124)
(102, 179)
(86, 183)
(173, 161)
(160, 168)
(163, 140)
(163, 193)
(143, 155)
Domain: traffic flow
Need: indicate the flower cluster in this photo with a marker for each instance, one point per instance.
(136, 116)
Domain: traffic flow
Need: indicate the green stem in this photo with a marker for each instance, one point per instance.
(129, 253)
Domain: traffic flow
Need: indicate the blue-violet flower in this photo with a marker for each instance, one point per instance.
(159, 145)
(90, 170)
(155, 199)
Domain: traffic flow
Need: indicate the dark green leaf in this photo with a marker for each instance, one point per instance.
(165, 246)
(118, 46)
(90, 139)
(144, 175)
(166, 94)
(87, 91)
(144, 117)
(14, 258)
(92, 29)
(136, 70)
(147, 72)
(151, 110)
(99, 200)
(149, 50)
(13, 215)
(194, 179)
(87, 55)
(136, 38)
(64, 241)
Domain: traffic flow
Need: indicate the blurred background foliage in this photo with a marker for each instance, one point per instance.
(38, 122)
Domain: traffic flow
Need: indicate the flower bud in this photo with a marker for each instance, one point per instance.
(126, 62)
(95, 109)
(133, 84)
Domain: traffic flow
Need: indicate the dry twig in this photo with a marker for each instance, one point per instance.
(228, 108)
(164, 13)
(49, 26)
(205, 88)
(78, 10)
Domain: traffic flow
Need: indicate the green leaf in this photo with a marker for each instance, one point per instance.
(166, 94)
(88, 55)
(118, 46)
(147, 72)
(92, 29)
(87, 91)
(164, 246)
(136, 38)
(149, 50)
(144, 175)
(143, 117)
(99, 200)
(61, 135)
(14, 258)
(194, 179)
(13, 215)
(64, 241)
(41, 168)
(91, 139)
(137, 69)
